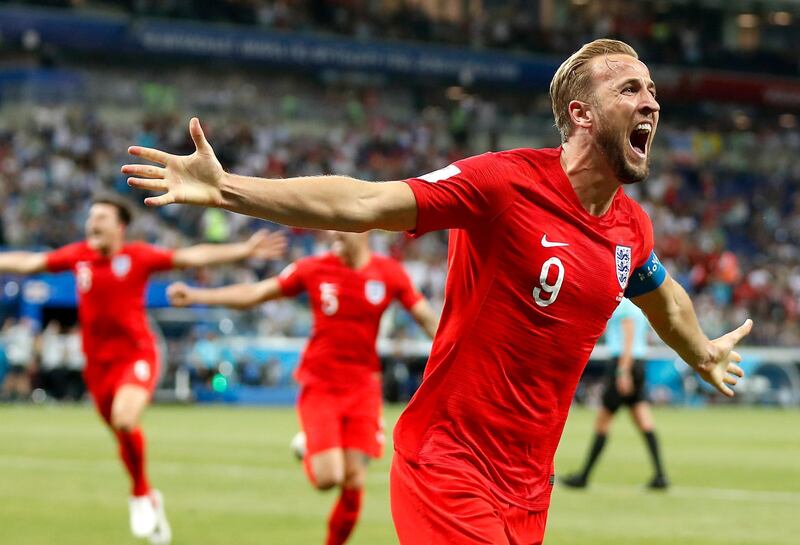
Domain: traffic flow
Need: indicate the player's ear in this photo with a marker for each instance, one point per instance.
(581, 114)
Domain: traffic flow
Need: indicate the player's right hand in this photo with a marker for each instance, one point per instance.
(179, 294)
(189, 179)
(266, 245)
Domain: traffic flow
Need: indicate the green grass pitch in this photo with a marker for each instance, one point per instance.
(228, 478)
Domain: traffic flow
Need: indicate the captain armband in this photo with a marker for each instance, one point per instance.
(646, 278)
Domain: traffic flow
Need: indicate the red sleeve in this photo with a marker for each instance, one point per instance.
(292, 278)
(646, 231)
(467, 193)
(406, 293)
(156, 258)
(65, 258)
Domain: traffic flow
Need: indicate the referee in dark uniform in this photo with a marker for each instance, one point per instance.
(626, 338)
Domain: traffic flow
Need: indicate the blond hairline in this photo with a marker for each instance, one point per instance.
(572, 80)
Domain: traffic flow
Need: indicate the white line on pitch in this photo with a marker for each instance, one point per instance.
(775, 496)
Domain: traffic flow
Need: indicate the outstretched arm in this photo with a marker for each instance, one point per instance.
(23, 262)
(240, 296)
(262, 245)
(317, 202)
(425, 317)
(670, 312)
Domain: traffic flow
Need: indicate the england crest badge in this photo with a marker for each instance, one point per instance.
(121, 265)
(622, 256)
(375, 291)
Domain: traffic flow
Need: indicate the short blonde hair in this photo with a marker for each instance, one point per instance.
(573, 81)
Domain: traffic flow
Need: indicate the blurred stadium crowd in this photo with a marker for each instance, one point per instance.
(725, 202)
(763, 39)
(723, 194)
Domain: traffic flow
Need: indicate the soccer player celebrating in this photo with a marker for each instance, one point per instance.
(544, 244)
(340, 398)
(626, 338)
(122, 366)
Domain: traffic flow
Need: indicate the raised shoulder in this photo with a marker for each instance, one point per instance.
(531, 156)
(308, 263)
(638, 214)
(642, 225)
(387, 263)
(137, 246)
(525, 164)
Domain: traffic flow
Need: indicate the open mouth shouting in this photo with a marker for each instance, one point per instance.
(640, 137)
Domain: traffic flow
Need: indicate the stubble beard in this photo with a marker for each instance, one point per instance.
(613, 150)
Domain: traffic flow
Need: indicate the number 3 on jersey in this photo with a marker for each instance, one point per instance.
(329, 298)
(550, 289)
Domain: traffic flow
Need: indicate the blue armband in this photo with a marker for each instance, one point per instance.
(646, 278)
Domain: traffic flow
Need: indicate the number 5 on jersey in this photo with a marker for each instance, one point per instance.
(329, 298)
(550, 289)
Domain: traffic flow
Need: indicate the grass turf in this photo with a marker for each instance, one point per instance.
(228, 478)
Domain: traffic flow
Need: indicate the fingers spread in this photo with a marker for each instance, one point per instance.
(735, 369)
(146, 171)
(740, 332)
(725, 390)
(161, 200)
(154, 155)
(148, 184)
(198, 137)
(730, 379)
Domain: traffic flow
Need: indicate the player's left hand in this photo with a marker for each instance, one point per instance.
(720, 370)
(267, 245)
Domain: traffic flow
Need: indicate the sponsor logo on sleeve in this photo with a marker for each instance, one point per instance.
(441, 174)
(288, 270)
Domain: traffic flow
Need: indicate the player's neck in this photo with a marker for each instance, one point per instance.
(112, 249)
(355, 258)
(590, 176)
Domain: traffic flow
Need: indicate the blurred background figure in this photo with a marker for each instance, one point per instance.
(340, 405)
(51, 347)
(626, 340)
(19, 342)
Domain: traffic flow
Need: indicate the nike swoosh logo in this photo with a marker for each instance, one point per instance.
(547, 244)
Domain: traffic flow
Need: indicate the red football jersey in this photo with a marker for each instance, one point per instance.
(347, 305)
(533, 278)
(111, 305)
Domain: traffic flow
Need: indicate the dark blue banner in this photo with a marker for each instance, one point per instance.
(35, 293)
(147, 37)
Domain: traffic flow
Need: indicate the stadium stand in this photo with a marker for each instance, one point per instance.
(724, 190)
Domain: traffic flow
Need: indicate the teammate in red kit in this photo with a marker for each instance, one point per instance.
(340, 374)
(543, 246)
(122, 366)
